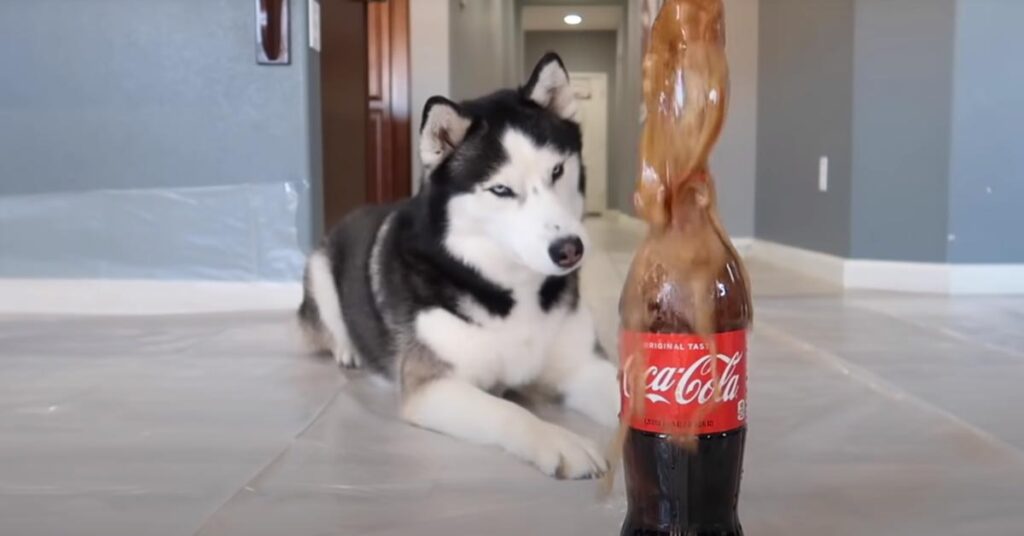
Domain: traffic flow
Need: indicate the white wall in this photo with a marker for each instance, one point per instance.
(429, 63)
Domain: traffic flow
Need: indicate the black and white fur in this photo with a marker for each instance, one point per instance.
(471, 286)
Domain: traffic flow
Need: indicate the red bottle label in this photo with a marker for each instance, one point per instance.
(679, 380)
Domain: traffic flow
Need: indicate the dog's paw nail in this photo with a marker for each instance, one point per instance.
(346, 359)
(565, 455)
(563, 473)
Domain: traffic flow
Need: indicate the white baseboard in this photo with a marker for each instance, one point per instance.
(812, 263)
(142, 297)
(744, 245)
(153, 297)
(898, 276)
(633, 223)
(987, 279)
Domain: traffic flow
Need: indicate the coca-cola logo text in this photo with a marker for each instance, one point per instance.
(687, 384)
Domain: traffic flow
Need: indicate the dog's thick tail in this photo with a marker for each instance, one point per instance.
(309, 318)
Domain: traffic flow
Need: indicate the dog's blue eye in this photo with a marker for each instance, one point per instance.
(501, 190)
(557, 172)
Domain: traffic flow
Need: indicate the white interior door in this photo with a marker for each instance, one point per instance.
(591, 90)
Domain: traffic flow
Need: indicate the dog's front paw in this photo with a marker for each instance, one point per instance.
(594, 391)
(563, 454)
(346, 357)
(606, 410)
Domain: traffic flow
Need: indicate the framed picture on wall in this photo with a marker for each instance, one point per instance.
(272, 32)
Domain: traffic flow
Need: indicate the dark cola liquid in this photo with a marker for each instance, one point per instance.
(673, 490)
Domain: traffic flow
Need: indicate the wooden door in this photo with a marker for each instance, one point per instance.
(343, 117)
(387, 147)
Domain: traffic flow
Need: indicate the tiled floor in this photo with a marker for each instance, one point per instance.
(873, 413)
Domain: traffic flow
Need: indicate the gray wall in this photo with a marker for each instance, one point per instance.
(734, 160)
(512, 41)
(986, 201)
(315, 213)
(903, 69)
(428, 62)
(804, 111)
(928, 166)
(109, 94)
(624, 114)
(626, 134)
(482, 46)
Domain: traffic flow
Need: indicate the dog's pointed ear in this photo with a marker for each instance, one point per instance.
(549, 87)
(443, 129)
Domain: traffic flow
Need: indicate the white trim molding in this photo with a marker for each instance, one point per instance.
(155, 297)
(898, 276)
(813, 263)
(987, 279)
(143, 297)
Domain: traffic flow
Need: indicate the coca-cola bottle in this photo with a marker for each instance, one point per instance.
(686, 305)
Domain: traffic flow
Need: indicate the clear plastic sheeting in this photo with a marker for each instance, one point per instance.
(239, 232)
(871, 413)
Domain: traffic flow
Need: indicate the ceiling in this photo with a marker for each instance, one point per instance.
(549, 18)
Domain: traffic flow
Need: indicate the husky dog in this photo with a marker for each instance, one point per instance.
(471, 286)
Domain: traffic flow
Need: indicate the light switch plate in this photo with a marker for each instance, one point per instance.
(823, 174)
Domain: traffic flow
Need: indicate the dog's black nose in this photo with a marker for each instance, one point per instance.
(566, 252)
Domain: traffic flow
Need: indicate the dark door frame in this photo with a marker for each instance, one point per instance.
(343, 113)
(364, 92)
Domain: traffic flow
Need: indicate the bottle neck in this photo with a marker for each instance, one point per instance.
(691, 207)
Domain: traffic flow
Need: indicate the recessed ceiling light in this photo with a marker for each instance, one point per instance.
(573, 19)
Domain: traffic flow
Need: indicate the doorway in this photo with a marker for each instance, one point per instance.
(591, 91)
(364, 97)
(343, 110)
(388, 173)
(593, 53)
